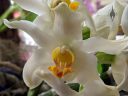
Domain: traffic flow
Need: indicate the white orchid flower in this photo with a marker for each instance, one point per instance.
(107, 20)
(91, 88)
(120, 66)
(43, 8)
(40, 7)
(94, 87)
(60, 53)
(116, 47)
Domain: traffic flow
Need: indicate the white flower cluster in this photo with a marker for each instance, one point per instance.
(64, 56)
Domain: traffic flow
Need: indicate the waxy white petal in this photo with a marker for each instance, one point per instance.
(67, 23)
(101, 16)
(95, 44)
(124, 21)
(38, 60)
(119, 7)
(85, 66)
(123, 2)
(57, 84)
(120, 71)
(41, 37)
(86, 16)
(109, 16)
(114, 28)
(102, 32)
(98, 88)
(37, 6)
(44, 22)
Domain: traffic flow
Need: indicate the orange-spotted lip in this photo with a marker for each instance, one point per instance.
(60, 72)
(63, 58)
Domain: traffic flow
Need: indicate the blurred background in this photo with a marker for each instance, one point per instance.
(16, 47)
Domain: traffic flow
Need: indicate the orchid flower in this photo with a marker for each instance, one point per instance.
(116, 47)
(94, 87)
(120, 66)
(107, 20)
(91, 88)
(60, 52)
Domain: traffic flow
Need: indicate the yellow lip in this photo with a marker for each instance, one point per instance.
(63, 59)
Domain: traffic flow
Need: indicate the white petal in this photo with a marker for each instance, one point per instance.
(57, 84)
(86, 16)
(115, 23)
(85, 66)
(41, 37)
(102, 32)
(38, 60)
(37, 6)
(95, 44)
(44, 22)
(118, 8)
(103, 18)
(114, 26)
(124, 83)
(124, 22)
(69, 23)
(123, 2)
(98, 88)
(120, 72)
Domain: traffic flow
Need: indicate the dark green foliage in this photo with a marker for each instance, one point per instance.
(104, 58)
(86, 33)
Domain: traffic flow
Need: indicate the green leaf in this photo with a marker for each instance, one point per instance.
(85, 33)
(35, 91)
(103, 68)
(48, 93)
(107, 78)
(31, 16)
(74, 86)
(81, 87)
(2, 28)
(104, 58)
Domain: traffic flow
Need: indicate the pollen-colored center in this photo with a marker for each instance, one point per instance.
(63, 58)
(72, 5)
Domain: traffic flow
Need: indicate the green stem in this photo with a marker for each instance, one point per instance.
(8, 12)
(35, 91)
(5, 15)
(2, 28)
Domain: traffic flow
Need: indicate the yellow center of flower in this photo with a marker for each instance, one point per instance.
(63, 58)
(72, 5)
